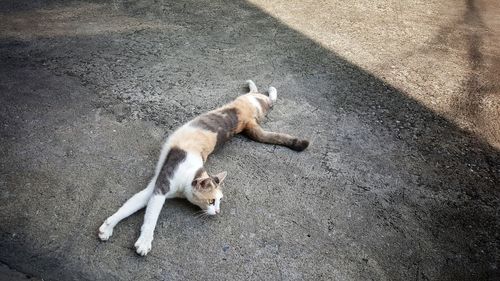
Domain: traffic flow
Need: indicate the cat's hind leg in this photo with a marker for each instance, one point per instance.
(252, 87)
(256, 133)
(273, 94)
(135, 203)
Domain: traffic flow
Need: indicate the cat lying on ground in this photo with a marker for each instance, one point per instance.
(180, 172)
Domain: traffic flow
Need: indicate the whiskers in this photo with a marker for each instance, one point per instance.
(201, 214)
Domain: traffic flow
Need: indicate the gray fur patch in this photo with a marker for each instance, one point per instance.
(222, 122)
(174, 157)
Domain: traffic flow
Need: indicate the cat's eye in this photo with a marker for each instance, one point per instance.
(211, 202)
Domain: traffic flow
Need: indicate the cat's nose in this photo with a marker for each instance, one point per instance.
(217, 211)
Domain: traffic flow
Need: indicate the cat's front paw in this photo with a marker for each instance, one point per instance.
(105, 231)
(143, 245)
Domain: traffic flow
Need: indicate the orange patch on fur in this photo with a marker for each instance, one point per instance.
(194, 140)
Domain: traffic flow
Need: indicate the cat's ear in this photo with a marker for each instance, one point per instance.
(219, 178)
(201, 183)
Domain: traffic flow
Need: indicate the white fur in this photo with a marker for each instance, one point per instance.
(211, 210)
(180, 186)
(273, 94)
(252, 86)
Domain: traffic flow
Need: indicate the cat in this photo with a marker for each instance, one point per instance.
(180, 171)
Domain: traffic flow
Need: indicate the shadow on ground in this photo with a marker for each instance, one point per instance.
(477, 104)
(387, 191)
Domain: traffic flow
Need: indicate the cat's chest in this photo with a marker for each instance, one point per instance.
(180, 194)
(181, 180)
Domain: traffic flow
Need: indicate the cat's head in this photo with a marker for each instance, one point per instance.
(207, 192)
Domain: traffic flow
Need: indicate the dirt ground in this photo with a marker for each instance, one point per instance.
(398, 98)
